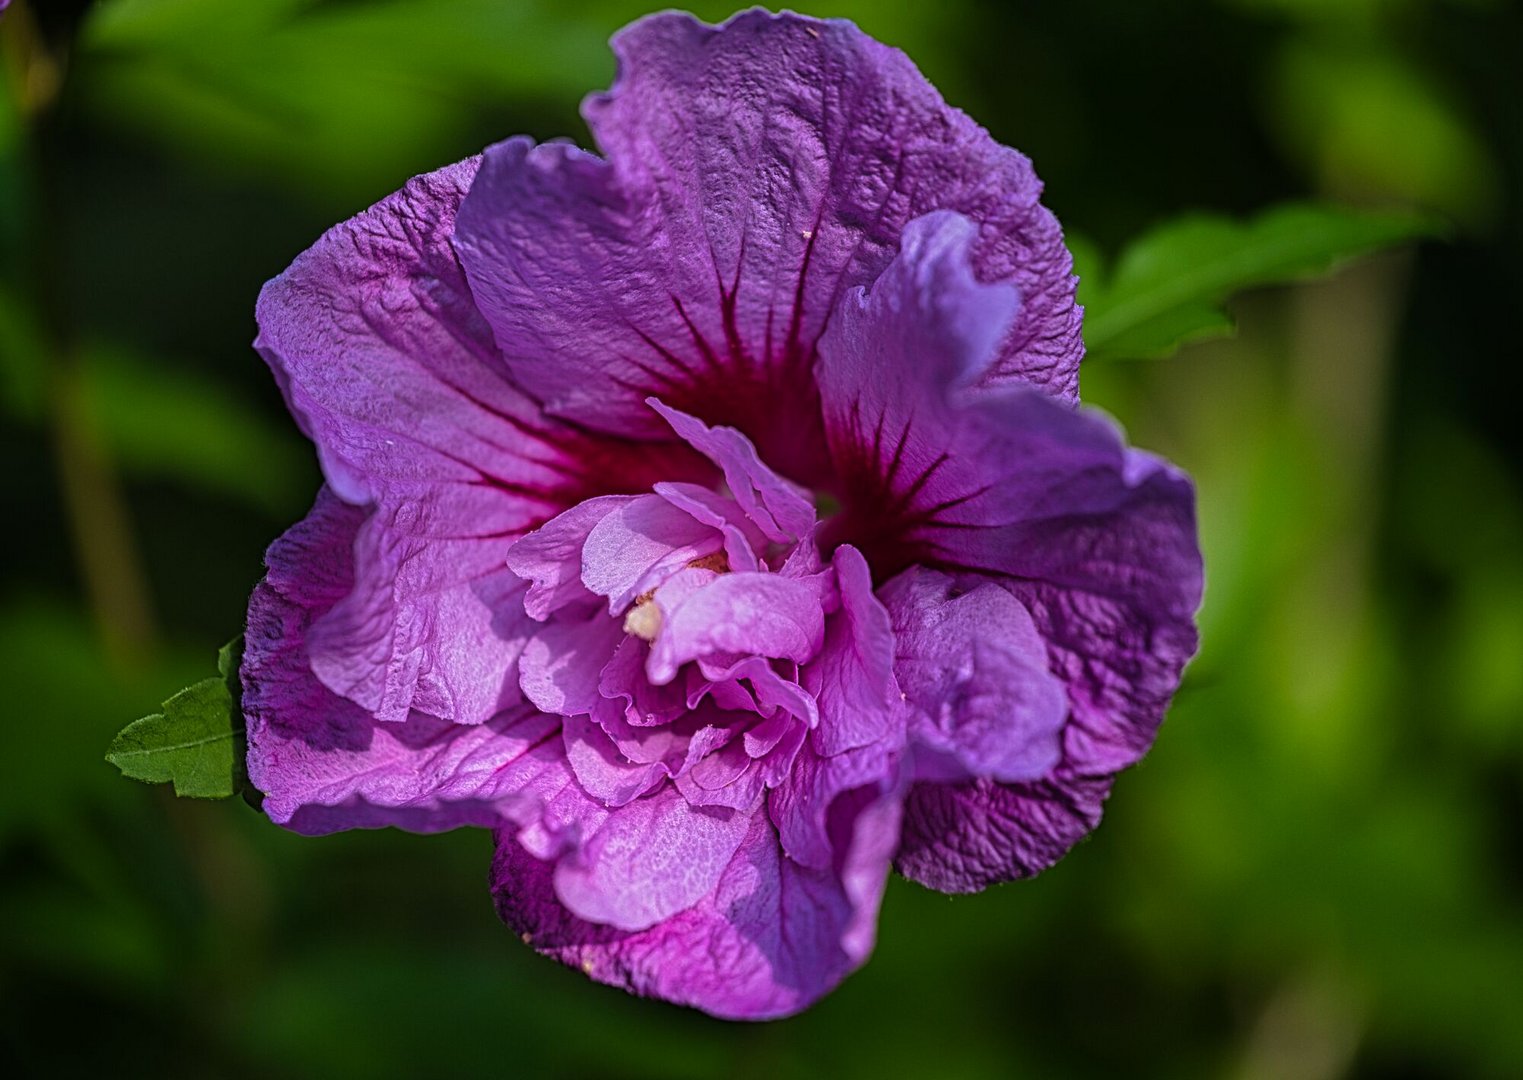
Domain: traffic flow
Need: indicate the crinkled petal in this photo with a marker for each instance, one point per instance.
(742, 538)
(981, 700)
(650, 860)
(961, 838)
(1004, 482)
(801, 806)
(624, 678)
(633, 548)
(1121, 659)
(605, 773)
(550, 557)
(561, 665)
(434, 625)
(388, 366)
(728, 778)
(325, 764)
(1096, 541)
(768, 939)
(754, 172)
(761, 614)
(853, 677)
(780, 508)
(763, 689)
(677, 746)
(551, 814)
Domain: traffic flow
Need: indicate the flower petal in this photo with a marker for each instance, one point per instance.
(962, 838)
(385, 361)
(754, 172)
(324, 763)
(624, 677)
(601, 769)
(767, 940)
(802, 806)
(981, 700)
(739, 614)
(1120, 658)
(853, 679)
(741, 536)
(561, 665)
(434, 625)
(1004, 481)
(550, 557)
(641, 542)
(678, 746)
(651, 859)
(387, 365)
(779, 507)
(1097, 542)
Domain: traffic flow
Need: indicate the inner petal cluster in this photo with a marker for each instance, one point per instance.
(679, 630)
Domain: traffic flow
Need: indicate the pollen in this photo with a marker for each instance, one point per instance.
(643, 620)
(718, 562)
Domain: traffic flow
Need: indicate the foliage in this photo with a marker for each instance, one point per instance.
(1168, 286)
(196, 742)
(1315, 874)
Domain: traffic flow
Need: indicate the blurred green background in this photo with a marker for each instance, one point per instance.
(1318, 872)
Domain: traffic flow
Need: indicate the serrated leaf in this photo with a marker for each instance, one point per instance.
(196, 743)
(1168, 286)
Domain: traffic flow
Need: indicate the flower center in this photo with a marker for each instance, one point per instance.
(643, 619)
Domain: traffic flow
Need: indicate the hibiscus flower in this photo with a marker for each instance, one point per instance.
(713, 518)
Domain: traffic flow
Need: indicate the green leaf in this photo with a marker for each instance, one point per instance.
(196, 742)
(1168, 286)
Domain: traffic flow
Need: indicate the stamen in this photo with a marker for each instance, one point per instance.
(718, 562)
(643, 620)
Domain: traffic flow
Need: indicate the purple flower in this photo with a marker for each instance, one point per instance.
(713, 518)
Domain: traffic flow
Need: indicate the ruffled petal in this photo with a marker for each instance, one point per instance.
(754, 172)
(981, 700)
(648, 705)
(803, 806)
(385, 361)
(1097, 543)
(431, 625)
(602, 771)
(561, 665)
(388, 366)
(962, 838)
(1005, 481)
(742, 538)
(1120, 659)
(677, 746)
(853, 679)
(550, 557)
(651, 859)
(739, 614)
(780, 508)
(640, 543)
(796, 149)
(767, 940)
(325, 764)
